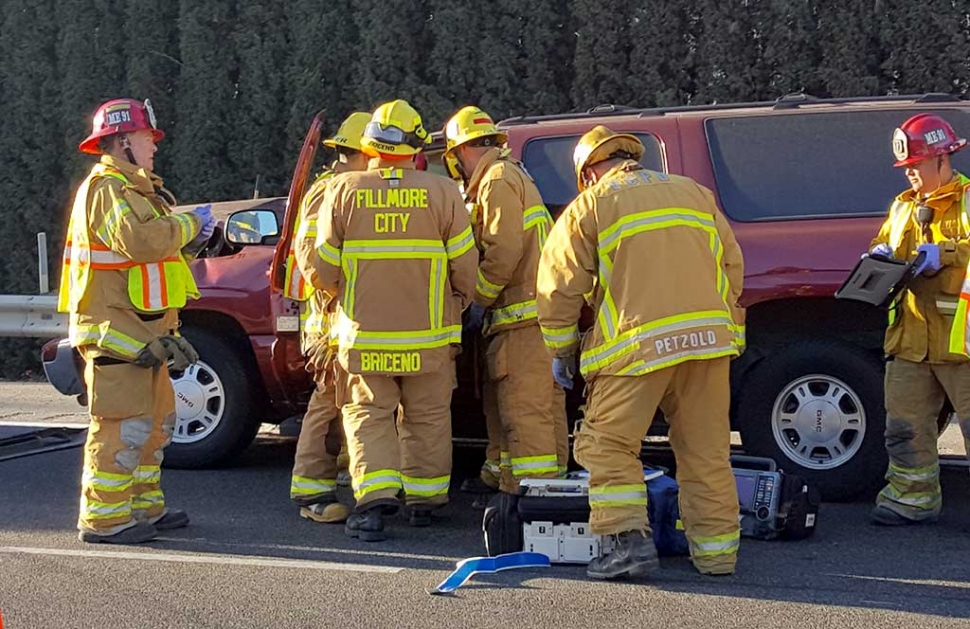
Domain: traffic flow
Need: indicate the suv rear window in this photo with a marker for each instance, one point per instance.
(550, 162)
(812, 164)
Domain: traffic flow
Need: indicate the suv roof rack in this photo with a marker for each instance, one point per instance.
(788, 101)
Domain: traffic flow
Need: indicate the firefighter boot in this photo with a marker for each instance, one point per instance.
(326, 512)
(171, 519)
(884, 516)
(633, 554)
(140, 532)
(368, 526)
(420, 516)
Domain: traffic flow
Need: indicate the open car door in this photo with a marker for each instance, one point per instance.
(298, 185)
(288, 360)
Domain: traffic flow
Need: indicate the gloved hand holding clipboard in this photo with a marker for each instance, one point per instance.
(879, 279)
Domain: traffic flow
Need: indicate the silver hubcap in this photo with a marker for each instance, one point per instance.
(818, 422)
(200, 402)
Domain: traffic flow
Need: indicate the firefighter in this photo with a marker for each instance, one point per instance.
(922, 368)
(125, 276)
(659, 264)
(313, 484)
(510, 224)
(395, 248)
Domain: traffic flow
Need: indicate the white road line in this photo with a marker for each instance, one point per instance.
(43, 424)
(308, 549)
(228, 560)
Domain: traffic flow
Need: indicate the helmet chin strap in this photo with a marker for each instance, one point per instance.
(126, 145)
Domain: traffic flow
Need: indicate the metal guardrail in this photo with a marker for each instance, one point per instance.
(31, 316)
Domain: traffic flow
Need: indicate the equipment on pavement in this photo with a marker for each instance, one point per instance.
(467, 568)
(878, 280)
(773, 504)
(552, 518)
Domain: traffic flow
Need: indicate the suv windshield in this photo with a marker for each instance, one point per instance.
(812, 164)
(550, 162)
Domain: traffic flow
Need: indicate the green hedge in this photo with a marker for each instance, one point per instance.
(235, 82)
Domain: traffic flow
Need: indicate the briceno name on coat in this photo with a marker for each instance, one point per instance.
(390, 362)
(679, 342)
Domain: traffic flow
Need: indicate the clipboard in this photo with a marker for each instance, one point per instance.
(878, 280)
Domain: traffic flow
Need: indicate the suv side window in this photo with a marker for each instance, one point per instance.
(550, 162)
(805, 165)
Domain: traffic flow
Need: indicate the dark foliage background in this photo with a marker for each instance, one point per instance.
(234, 82)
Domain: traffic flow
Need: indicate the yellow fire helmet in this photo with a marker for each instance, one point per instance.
(394, 131)
(350, 131)
(471, 123)
(599, 144)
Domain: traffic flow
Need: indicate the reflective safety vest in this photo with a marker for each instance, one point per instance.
(152, 286)
(959, 337)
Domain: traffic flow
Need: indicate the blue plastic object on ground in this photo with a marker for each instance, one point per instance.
(467, 568)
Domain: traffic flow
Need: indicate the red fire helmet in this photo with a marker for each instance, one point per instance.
(122, 115)
(924, 136)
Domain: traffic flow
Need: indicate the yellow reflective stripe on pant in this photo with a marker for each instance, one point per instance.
(485, 288)
(426, 487)
(726, 544)
(374, 481)
(147, 475)
(542, 464)
(612, 350)
(912, 490)
(148, 500)
(618, 496)
(106, 481)
(97, 510)
(106, 338)
(305, 486)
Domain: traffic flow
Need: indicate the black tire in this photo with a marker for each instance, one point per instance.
(857, 477)
(240, 418)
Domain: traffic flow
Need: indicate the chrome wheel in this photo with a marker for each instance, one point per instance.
(200, 402)
(818, 422)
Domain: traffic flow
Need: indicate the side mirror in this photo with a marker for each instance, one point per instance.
(252, 227)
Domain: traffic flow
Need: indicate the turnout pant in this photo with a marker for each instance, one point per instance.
(412, 453)
(695, 398)
(132, 412)
(914, 398)
(521, 393)
(315, 467)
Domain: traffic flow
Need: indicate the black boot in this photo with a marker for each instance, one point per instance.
(633, 554)
(140, 532)
(173, 519)
(476, 485)
(368, 526)
(420, 516)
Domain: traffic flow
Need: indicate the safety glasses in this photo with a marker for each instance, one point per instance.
(390, 134)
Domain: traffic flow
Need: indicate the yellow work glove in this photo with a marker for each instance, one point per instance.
(167, 349)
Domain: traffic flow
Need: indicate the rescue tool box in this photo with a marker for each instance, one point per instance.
(551, 517)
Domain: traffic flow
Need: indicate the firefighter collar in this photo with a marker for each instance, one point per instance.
(488, 160)
(142, 180)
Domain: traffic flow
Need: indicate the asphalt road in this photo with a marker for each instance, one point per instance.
(248, 560)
